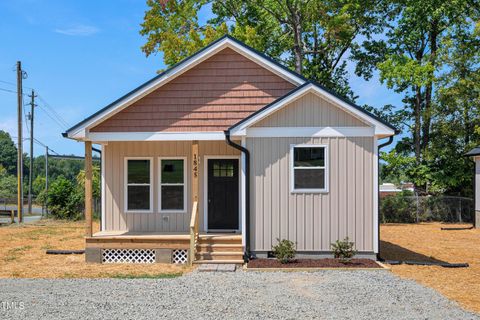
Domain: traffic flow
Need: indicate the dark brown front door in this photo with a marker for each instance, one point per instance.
(222, 194)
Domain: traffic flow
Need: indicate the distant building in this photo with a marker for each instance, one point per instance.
(389, 189)
(475, 153)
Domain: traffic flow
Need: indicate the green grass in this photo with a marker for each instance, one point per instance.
(146, 276)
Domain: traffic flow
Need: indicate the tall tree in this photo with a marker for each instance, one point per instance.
(312, 37)
(8, 153)
(408, 60)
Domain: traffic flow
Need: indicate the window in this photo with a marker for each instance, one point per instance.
(138, 184)
(172, 185)
(309, 168)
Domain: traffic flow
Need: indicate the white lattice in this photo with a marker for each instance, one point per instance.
(180, 256)
(128, 256)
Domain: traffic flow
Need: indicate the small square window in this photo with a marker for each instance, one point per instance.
(309, 168)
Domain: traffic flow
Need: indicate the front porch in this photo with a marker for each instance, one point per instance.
(103, 246)
(194, 216)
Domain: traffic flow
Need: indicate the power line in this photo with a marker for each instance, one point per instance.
(54, 112)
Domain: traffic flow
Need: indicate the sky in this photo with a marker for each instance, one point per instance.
(81, 55)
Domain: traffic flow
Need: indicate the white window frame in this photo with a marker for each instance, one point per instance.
(160, 184)
(292, 168)
(126, 184)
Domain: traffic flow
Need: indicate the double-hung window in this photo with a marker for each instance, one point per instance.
(309, 168)
(172, 195)
(138, 188)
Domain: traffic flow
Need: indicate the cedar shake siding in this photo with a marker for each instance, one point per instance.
(211, 96)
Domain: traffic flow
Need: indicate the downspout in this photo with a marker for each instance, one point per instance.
(246, 254)
(390, 140)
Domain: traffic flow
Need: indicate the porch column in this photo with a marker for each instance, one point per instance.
(88, 188)
(195, 170)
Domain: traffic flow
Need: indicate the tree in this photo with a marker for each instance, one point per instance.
(8, 153)
(64, 201)
(8, 184)
(311, 37)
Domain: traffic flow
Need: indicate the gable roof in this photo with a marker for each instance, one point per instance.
(78, 131)
(473, 152)
(382, 127)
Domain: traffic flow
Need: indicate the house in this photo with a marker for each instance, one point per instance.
(226, 152)
(475, 153)
(389, 189)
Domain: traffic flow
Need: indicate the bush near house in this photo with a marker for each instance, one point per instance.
(284, 251)
(343, 250)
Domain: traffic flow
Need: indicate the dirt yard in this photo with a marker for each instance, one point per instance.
(427, 242)
(22, 254)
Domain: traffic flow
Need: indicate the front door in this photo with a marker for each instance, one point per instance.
(222, 194)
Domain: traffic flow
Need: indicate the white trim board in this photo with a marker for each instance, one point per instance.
(376, 194)
(154, 136)
(380, 129)
(80, 132)
(290, 132)
(205, 190)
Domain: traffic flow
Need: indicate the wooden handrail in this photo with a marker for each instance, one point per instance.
(193, 233)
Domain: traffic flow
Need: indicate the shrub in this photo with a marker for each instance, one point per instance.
(284, 251)
(343, 250)
(64, 200)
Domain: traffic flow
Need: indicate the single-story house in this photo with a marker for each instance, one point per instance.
(475, 153)
(226, 152)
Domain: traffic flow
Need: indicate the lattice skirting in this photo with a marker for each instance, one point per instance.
(128, 256)
(180, 256)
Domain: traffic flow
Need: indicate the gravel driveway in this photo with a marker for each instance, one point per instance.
(240, 295)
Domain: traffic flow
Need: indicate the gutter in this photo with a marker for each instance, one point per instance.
(246, 254)
(389, 141)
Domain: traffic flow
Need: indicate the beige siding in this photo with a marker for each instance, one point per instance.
(115, 153)
(311, 111)
(313, 221)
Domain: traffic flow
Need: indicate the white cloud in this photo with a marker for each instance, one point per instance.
(78, 30)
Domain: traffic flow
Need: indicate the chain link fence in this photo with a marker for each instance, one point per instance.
(402, 208)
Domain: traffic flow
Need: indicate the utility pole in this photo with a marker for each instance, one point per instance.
(46, 181)
(30, 172)
(19, 147)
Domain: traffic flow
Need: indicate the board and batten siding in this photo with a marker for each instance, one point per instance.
(312, 220)
(116, 219)
(310, 111)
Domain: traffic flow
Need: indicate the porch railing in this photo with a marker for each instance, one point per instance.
(193, 233)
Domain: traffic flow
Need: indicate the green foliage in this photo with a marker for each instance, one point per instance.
(64, 200)
(343, 250)
(8, 184)
(284, 251)
(96, 181)
(310, 37)
(8, 153)
(398, 208)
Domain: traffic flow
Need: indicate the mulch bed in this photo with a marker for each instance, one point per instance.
(312, 263)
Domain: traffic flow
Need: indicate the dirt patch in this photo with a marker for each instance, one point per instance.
(427, 242)
(23, 254)
(313, 263)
